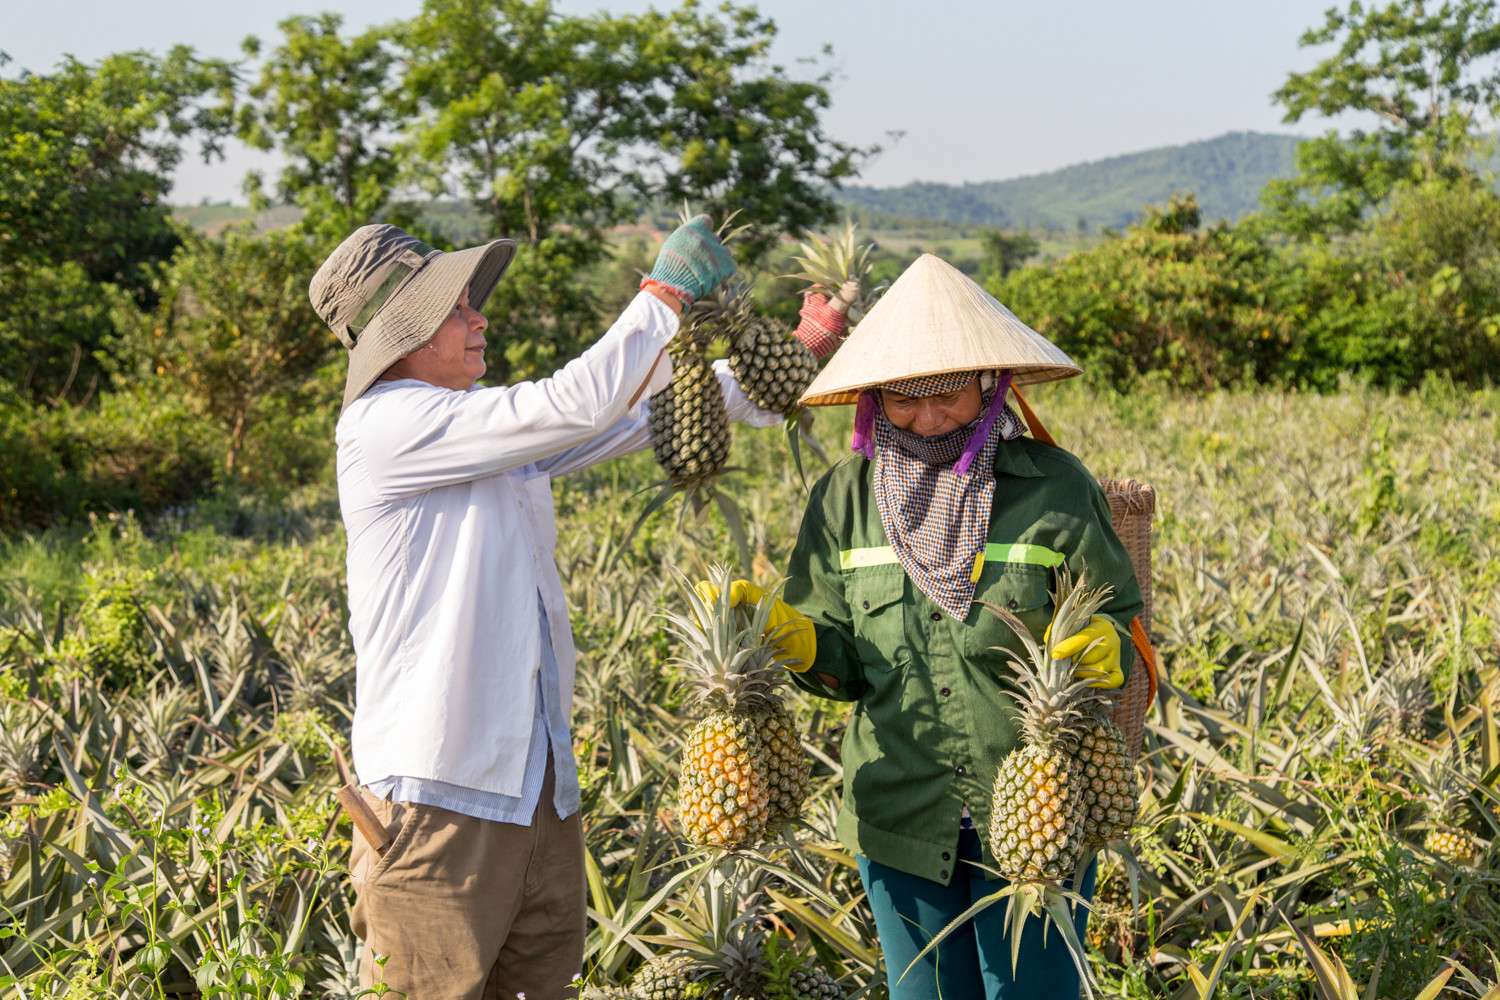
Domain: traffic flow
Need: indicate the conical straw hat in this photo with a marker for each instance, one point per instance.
(935, 320)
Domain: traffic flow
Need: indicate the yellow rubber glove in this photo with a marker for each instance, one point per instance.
(788, 628)
(1100, 665)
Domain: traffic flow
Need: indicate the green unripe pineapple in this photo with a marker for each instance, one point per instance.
(690, 434)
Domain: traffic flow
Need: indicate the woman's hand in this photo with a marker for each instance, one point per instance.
(1100, 665)
(788, 629)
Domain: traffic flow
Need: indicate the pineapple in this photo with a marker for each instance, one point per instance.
(1446, 789)
(1040, 801)
(729, 773)
(770, 364)
(1108, 773)
(789, 765)
(690, 434)
(664, 979)
(814, 984)
(831, 265)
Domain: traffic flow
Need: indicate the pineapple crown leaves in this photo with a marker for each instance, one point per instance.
(827, 263)
(731, 659)
(1051, 699)
(725, 231)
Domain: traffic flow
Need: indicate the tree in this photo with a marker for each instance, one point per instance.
(235, 332)
(326, 103)
(88, 152)
(86, 156)
(1004, 252)
(731, 132)
(1432, 79)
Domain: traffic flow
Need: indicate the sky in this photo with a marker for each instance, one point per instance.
(977, 89)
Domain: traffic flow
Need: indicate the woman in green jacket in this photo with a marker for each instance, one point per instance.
(944, 505)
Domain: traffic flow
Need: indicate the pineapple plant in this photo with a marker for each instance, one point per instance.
(1040, 803)
(1446, 790)
(734, 780)
(770, 364)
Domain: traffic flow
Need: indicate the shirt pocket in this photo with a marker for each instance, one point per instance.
(1018, 588)
(877, 611)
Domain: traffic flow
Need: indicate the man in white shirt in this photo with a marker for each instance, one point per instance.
(464, 653)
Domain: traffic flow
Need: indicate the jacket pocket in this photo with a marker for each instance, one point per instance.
(1018, 588)
(878, 616)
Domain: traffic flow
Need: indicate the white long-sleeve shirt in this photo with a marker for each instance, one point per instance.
(447, 502)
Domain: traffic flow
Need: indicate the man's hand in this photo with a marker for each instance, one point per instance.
(692, 262)
(822, 325)
(1101, 664)
(789, 629)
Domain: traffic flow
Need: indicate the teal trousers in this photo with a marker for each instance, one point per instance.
(972, 963)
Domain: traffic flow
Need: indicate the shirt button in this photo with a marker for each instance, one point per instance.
(1013, 604)
(867, 605)
(945, 692)
(936, 615)
(943, 873)
(959, 770)
(945, 855)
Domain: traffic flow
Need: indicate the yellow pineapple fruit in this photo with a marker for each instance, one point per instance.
(1040, 800)
(727, 774)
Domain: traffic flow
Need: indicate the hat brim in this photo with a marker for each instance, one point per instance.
(935, 320)
(1024, 375)
(418, 310)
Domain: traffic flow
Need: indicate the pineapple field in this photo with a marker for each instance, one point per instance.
(1317, 813)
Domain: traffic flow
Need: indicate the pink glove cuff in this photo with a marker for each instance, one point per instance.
(822, 326)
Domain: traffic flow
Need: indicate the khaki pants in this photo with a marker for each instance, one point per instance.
(471, 909)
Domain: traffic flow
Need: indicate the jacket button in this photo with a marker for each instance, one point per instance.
(1013, 604)
(959, 770)
(945, 692)
(945, 855)
(936, 615)
(867, 605)
(943, 873)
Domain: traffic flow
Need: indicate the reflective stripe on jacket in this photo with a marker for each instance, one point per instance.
(931, 720)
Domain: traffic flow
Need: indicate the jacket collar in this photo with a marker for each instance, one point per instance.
(1012, 460)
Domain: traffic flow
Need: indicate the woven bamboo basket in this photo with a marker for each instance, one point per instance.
(1131, 508)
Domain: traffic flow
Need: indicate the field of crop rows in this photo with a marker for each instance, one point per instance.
(1320, 769)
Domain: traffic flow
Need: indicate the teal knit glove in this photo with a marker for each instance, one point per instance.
(692, 262)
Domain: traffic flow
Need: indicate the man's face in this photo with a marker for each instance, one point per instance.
(930, 416)
(454, 358)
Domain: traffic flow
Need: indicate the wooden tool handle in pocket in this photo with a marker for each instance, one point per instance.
(365, 820)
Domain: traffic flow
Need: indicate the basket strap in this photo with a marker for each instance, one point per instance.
(1148, 656)
(1138, 635)
(1038, 429)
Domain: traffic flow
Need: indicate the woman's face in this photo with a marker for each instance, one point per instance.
(930, 416)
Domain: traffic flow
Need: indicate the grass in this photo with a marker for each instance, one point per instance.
(1325, 610)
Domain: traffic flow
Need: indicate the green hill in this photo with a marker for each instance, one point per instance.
(1226, 173)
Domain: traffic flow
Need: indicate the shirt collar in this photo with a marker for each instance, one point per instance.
(1012, 460)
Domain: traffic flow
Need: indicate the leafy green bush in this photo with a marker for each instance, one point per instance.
(130, 451)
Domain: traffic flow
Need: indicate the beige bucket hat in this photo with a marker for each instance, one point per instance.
(935, 319)
(385, 293)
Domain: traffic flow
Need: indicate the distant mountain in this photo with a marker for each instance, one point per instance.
(1226, 174)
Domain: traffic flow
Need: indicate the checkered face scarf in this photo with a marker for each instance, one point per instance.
(934, 493)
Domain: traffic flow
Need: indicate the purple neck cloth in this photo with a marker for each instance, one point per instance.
(863, 440)
(982, 432)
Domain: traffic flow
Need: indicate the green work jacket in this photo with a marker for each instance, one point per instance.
(932, 719)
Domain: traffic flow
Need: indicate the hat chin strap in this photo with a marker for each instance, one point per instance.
(982, 432)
